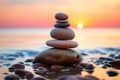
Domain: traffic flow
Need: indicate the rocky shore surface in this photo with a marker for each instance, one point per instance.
(101, 63)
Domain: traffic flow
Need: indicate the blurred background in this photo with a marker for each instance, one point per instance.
(27, 23)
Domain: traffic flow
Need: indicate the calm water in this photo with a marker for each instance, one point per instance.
(30, 38)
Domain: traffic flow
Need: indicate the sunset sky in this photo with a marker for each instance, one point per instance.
(40, 13)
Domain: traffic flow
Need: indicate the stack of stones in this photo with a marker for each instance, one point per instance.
(60, 53)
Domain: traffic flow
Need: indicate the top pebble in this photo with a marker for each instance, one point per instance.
(61, 16)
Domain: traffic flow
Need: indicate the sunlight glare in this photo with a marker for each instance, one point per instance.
(80, 26)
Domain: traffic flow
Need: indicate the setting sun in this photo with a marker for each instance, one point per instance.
(80, 26)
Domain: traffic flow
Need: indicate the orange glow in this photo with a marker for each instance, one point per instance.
(20, 13)
(80, 26)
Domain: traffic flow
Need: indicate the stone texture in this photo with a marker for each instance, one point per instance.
(62, 25)
(12, 77)
(62, 21)
(62, 34)
(52, 56)
(62, 43)
(61, 16)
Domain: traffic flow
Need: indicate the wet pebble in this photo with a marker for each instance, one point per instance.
(84, 54)
(23, 73)
(106, 65)
(112, 73)
(29, 60)
(5, 73)
(41, 70)
(12, 77)
(37, 65)
(106, 59)
(90, 67)
(89, 71)
(115, 63)
(117, 57)
(29, 76)
(38, 78)
(90, 77)
(16, 66)
(111, 55)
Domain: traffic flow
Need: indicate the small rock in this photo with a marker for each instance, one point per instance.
(29, 76)
(5, 73)
(112, 73)
(58, 33)
(11, 69)
(62, 25)
(115, 64)
(16, 66)
(117, 57)
(89, 67)
(90, 77)
(106, 59)
(106, 65)
(37, 65)
(22, 73)
(38, 78)
(112, 55)
(29, 60)
(89, 71)
(41, 70)
(62, 43)
(62, 21)
(12, 77)
(61, 16)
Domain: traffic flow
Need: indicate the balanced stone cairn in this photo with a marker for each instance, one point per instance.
(60, 53)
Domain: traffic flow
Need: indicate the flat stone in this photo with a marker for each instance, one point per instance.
(62, 43)
(62, 25)
(53, 56)
(62, 21)
(61, 16)
(62, 33)
(112, 73)
(12, 77)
